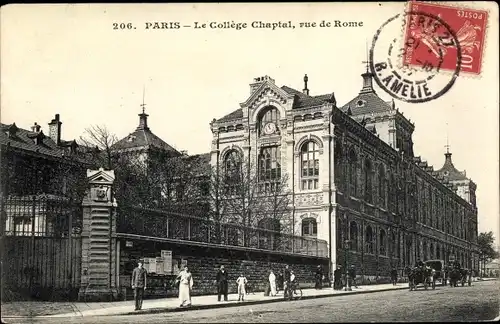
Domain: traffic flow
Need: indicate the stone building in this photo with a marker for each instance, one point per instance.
(171, 179)
(355, 181)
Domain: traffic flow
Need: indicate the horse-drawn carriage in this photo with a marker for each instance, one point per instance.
(459, 275)
(440, 273)
(421, 275)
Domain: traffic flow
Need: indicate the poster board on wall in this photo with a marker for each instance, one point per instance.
(166, 256)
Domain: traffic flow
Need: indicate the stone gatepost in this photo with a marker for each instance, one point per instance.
(98, 277)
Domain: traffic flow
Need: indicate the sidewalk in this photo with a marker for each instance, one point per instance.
(163, 305)
(65, 309)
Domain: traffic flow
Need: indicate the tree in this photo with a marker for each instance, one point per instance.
(238, 197)
(486, 240)
(102, 140)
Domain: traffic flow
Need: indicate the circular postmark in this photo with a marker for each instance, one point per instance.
(409, 69)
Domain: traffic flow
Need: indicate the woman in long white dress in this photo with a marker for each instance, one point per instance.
(185, 279)
(272, 282)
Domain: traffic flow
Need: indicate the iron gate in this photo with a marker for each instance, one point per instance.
(41, 247)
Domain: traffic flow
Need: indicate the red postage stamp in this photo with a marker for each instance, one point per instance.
(467, 25)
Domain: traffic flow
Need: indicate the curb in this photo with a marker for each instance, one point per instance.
(254, 302)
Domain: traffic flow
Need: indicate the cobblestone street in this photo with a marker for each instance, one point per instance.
(445, 304)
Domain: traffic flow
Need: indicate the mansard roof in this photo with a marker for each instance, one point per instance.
(367, 103)
(301, 100)
(449, 171)
(24, 139)
(143, 137)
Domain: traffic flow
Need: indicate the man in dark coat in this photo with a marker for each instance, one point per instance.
(319, 278)
(139, 277)
(222, 283)
(286, 281)
(394, 276)
(337, 276)
(352, 276)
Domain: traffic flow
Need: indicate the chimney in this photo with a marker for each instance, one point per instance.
(305, 91)
(55, 130)
(258, 81)
(35, 128)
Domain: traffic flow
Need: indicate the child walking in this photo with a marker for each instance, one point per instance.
(241, 281)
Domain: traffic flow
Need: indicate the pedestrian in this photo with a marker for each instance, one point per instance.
(337, 276)
(352, 275)
(185, 279)
(394, 276)
(272, 282)
(241, 281)
(222, 283)
(319, 278)
(139, 280)
(286, 281)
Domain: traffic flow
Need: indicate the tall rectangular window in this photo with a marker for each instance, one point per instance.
(269, 168)
(310, 165)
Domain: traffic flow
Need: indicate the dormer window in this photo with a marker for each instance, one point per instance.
(131, 138)
(446, 173)
(360, 103)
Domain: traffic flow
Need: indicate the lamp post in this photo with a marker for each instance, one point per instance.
(346, 246)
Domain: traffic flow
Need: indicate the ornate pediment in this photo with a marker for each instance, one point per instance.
(101, 176)
(100, 182)
(267, 92)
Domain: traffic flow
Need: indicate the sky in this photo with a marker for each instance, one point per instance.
(68, 59)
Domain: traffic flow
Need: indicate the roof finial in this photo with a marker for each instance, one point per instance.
(367, 76)
(367, 62)
(447, 140)
(305, 91)
(143, 95)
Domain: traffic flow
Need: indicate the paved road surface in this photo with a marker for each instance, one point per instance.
(445, 304)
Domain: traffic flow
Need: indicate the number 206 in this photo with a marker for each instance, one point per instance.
(122, 26)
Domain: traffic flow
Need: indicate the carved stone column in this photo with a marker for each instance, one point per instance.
(98, 278)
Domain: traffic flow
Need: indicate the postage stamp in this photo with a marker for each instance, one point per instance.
(420, 82)
(468, 26)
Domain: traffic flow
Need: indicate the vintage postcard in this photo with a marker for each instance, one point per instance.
(250, 162)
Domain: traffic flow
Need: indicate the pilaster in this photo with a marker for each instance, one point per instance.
(98, 278)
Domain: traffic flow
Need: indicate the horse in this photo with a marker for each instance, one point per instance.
(421, 275)
(455, 276)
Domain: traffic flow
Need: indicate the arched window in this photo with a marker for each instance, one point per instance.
(353, 176)
(269, 168)
(381, 186)
(310, 165)
(368, 181)
(309, 227)
(268, 121)
(369, 240)
(353, 235)
(431, 251)
(233, 172)
(383, 243)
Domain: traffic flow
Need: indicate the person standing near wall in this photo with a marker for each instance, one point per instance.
(241, 282)
(337, 278)
(272, 283)
(185, 279)
(139, 278)
(286, 282)
(319, 278)
(222, 283)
